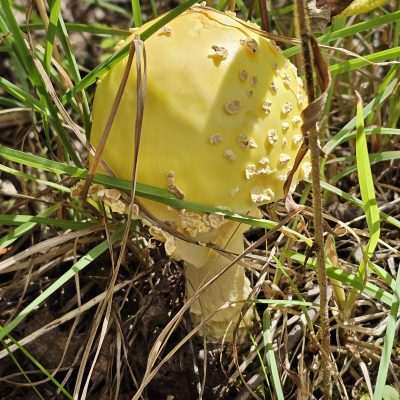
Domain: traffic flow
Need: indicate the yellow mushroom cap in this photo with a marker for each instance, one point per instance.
(222, 119)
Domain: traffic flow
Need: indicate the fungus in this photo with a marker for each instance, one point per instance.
(246, 142)
(191, 105)
(272, 136)
(296, 120)
(285, 126)
(243, 75)
(215, 139)
(284, 159)
(287, 108)
(232, 107)
(165, 30)
(266, 106)
(229, 155)
(219, 53)
(254, 81)
(297, 139)
(250, 43)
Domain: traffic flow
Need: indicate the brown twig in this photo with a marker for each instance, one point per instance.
(251, 9)
(103, 315)
(103, 139)
(264, 15)
(308, 52)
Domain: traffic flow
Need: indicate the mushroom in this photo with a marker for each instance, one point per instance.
(222, 126)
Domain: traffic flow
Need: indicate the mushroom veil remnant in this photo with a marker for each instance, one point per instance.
(222, 126)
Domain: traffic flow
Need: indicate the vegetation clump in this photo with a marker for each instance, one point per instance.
(250, 196)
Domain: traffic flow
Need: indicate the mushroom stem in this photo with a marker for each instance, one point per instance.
(229, 291)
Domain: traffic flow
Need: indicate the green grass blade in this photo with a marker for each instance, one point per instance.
(358, 63)
(162, 195)
(154, 9)
(10, 103)
(24, 374)
(7, 219)
(371, 131)
(136, 13)
(354, 200)
(142, 190)
(392, 74)
(32, 178)
(270, 356)
(20, 45)
(348, 129)
(110, 6)
(51, 32)
(94, 29)
(388, 342)
(73, 69)
(346, 278)
(258, 349)
(25, 225)
(20, 94)
(27, 60)
(390, 393)
(285, 303)
(81, 264)
(369, 205)
(102, 68)
(366, 182)
(16, 61)
(351, 30)
(38, 365)
(374, 159)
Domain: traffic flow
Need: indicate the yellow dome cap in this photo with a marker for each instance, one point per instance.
(221, 117)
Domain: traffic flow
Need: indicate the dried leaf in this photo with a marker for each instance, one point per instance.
(313, 112)
(320, 16)
(4, 250)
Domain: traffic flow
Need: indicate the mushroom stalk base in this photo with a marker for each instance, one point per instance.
(228, 292)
